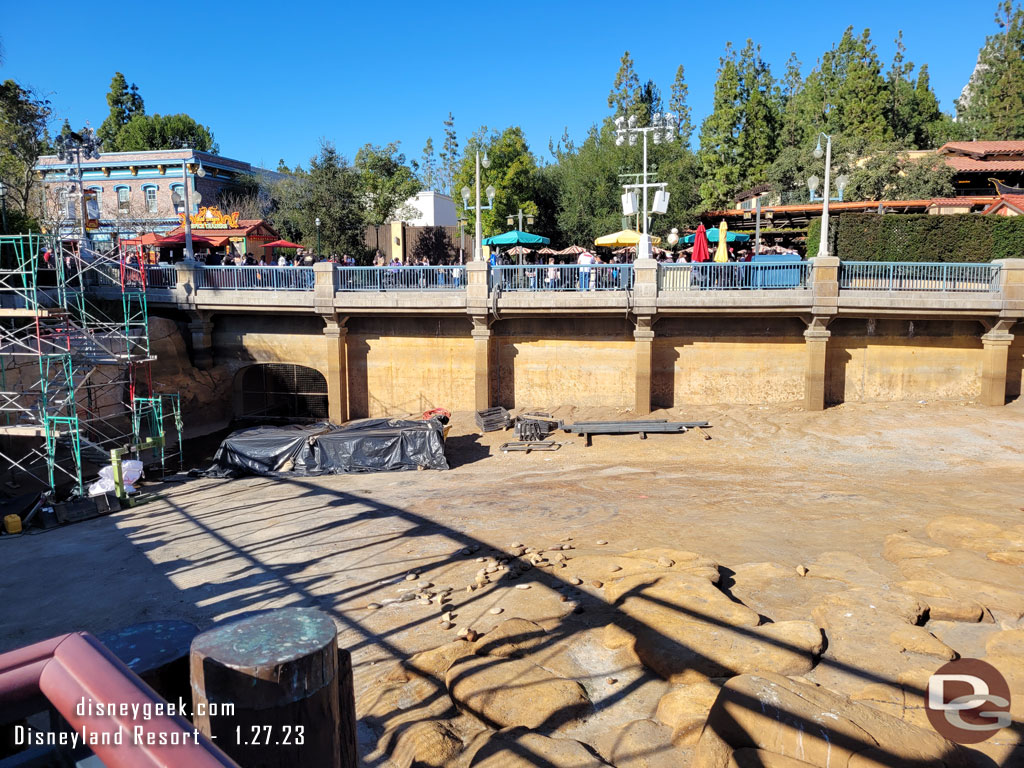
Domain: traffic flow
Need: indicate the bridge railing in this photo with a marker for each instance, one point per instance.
(562, 277)
(909, 276)
(161, 276)
(255, 278)
(396, 278)
(741, 276)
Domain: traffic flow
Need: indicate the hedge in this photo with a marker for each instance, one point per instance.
(922, 237)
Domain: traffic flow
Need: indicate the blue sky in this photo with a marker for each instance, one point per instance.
(271, 79)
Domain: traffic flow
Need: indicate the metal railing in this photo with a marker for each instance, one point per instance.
(742, 276)
(562, 277)
(907, 276)
(401, 278)
(161, 276)
(255, 278)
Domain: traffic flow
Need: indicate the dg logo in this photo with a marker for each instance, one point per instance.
(968, 700)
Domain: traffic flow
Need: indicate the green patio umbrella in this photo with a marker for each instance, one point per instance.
(515, 237)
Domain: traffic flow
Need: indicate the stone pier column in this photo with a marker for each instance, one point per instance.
(200, 325)
(816, 342)
(337, 369)
(482, 363)
(996, 345)
(643, 336)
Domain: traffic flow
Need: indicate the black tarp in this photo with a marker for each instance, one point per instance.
(370, 445)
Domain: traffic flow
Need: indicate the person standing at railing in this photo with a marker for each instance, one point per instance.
(584, 260)
(551, 280)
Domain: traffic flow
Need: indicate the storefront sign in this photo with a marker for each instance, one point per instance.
(211, 218)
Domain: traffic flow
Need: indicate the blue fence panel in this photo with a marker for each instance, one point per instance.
(738, 276)
(161, 276)
(911, 276)
(401, 278)
(255, 278)
(562, 277)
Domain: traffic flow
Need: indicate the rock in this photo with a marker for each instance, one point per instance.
(846, 567)
(784, 718)
(506, 692)
(640, 744)
(463, 631)
(567, 547)
(601, 542)
(611, 680)
(426, 744)
(959, 531)
(801, 570)
(685, 709)
(616, 637)
(666, 562)
(679, 591)
(920, 640)
(446, 625)
(495, 611)
(575, 581)
(515, 545)
(870, 601)
(596, 583)
(899, 546)
(942, 605)
(373, 607)
(519, 748)
(968, 575)
(615, 568)
(435, 662)
(513, 637)
(1009, 642)
(411, 576)
(1009, 558)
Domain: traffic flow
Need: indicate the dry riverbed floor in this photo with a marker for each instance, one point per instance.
(589, 606)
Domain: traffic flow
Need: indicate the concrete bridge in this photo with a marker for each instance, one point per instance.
(393, 340)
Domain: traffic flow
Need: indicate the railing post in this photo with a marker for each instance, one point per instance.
(324, 287)
(645, 286)
(186, 283)
(825, 286)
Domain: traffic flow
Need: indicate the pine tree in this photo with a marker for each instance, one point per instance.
(428, 165)
(719, 150)
(125, 102)
(624, 89)
(992, 104)
(759, 101)
(902, 111)
(449, 157)
(859, 100)
(645, 103)
(677, 103)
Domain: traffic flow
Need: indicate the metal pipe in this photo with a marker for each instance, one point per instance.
(823, 243)
(478, 249)
(189, 254)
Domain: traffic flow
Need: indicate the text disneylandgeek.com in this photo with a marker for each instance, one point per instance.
(140, 735)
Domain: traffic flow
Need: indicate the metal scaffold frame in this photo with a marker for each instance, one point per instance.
(75, 379)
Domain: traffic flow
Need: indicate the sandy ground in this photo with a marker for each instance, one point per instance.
(774, 483)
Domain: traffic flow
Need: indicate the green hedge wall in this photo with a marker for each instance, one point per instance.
(921, 237)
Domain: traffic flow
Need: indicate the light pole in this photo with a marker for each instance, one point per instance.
(74, 145)
(317, 222)
(199, 171)
(478, 247)
(462, 239)
(3, 205)
(812, 185)
(529, 220)
(664, 128)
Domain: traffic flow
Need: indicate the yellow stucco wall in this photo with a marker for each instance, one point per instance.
(241, 340)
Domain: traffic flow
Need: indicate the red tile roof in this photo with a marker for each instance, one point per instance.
(970, 165)
(980, 149)
(1013, 201)
(964, 200)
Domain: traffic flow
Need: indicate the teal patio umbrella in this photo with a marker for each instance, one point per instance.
(516, 237)
(712, 235)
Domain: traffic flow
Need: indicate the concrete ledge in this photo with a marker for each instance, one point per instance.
(565, 300)
(728, 301)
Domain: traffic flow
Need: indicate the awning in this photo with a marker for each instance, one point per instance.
(516, 237)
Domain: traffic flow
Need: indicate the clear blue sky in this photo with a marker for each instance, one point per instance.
(272, 78)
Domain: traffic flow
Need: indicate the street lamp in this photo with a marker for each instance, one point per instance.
(663, 128)
(478, 248)
(71, 147)
(462, 239)
(317, 222)
(529, 220)
(812, 186)
(3, 205)
(197, 170)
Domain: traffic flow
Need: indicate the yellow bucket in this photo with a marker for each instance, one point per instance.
(12, 524)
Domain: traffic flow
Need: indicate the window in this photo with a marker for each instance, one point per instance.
(150, 193)
(98, 191)
(65, 205)
(123, 199)
(179, 201)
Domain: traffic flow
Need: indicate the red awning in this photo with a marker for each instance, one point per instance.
(281, 244)
(174, 240)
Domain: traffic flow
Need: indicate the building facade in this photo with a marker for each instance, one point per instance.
(135, 192)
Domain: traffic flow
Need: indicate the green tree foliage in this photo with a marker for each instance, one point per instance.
(992, 105)
(23, 138)
(761, 116)
(513, 174)
(891, 174)
(125, 102)
(719, 136)
(625, 86)
(146, 132)
(428, 165)
(386, 181)
(679, 105)
(449, 157)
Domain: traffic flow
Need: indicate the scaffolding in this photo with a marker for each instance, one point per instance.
(75, 380)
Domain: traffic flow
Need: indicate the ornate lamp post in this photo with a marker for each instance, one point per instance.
(529, 220)
(317, 222)
(478, 247)
(812, 186)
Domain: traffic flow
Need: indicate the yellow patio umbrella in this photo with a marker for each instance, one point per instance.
(722, 253)
(625, 237)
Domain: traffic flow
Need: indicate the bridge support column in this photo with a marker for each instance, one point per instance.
(337, 369)
(996, 345)
(643, 336)
(816, 342)
(200, 325)
(482, 363)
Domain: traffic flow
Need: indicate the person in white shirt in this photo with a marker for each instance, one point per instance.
(585, 260)
(282, 261)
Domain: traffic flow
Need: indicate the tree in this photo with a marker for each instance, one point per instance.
(147, 132)
(992, 103)
(124, 102)
(428, 165)
(903, 107)
(625, 86)
(760, 106)
(23, 138)
(449, 157)
(719, 146)
(386, 182)
(678, 104)
(434, 245)
(888, 173)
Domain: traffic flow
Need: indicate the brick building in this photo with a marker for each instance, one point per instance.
(136, 191)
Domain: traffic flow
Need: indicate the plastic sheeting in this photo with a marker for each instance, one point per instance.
(370, 445)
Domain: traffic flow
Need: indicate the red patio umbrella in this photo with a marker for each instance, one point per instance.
(700, 245)
(282, 244)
